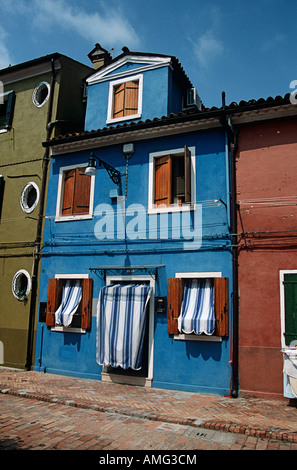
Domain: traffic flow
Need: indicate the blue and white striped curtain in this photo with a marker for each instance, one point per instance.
(71, 297)
(121, 319)
(197, 311)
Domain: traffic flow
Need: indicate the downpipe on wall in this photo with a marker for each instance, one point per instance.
(36, 259)
(235, 296)
(231, 142)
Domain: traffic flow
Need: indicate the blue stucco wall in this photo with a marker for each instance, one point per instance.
(161, 96)
(71, 247)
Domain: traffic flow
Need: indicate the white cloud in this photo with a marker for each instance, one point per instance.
(208, 48)
(107, 25)
(5, 57)
(273, 42)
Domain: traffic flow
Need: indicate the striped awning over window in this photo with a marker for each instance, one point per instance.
(121, 319)
(71, 297)
(197, 311)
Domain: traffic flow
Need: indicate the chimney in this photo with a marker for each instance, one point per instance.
(99, 56)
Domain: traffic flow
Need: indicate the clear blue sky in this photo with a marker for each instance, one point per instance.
(245, 47)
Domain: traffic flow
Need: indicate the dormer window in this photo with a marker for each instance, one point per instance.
(125, 99)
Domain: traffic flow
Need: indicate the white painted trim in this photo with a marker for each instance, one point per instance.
(191, 336)
(59, 217)
(200, 274)
(71, 276)
(23, 202)
(151, 185)
(35, 92)
(29, 284)
(151, 279)
(286, 385)
(112, 84)
(147, 63)
(282, 302)
(69, 329)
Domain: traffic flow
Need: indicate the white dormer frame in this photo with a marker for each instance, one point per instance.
(145, 63)
(134, 78)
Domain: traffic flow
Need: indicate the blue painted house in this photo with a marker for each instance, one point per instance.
(136, 274)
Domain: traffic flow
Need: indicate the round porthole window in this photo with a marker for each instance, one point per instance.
(29, 197)
(41, 94)
(21, 284)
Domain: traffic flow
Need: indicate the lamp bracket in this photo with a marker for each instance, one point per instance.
(114, 174)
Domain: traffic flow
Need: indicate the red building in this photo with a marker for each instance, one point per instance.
(266, 171)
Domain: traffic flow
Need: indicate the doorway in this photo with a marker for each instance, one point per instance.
(144, 376)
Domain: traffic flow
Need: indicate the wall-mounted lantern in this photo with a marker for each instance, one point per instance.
(91, 169)
(115, 175)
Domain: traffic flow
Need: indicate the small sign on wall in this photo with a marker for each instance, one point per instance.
(160, 304)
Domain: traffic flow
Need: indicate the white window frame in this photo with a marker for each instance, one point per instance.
(25, 273)
(35, 94)
(282, 302)
(282, 272)
(64, 218)
(24, 194)
(193, 337)
(146, 381)
(69, 329)
(2, 98)
(110, 119)
(152, 209)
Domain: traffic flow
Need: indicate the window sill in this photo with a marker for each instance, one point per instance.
(68, 329)
(193, 337)
(123, 118)
(171, 208)
(72, 218)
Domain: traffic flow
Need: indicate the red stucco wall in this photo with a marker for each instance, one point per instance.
(267, 193)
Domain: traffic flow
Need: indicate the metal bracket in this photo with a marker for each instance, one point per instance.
(126, 270)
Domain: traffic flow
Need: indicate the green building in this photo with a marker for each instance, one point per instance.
(39, 99)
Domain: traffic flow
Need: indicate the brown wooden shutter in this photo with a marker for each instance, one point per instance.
(54, 298)
(221, 306)
(175, 297)
(69, 183)
(81, 199)
(86, 303)
(125, 99)
(163, 180)
(131, 98)
(119, 101)
(187, 158)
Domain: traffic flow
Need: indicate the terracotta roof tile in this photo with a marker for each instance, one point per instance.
(192, 113)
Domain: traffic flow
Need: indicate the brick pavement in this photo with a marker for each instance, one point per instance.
(250, 417)
(29, 424)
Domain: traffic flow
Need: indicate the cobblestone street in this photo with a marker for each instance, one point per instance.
(50, 412)
(27, 424)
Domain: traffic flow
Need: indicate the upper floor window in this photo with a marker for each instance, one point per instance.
(125, 99)
(75, 194)
(29, 197)
(21, 284)
(172, 179)
(41, 94)
(6, 110)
